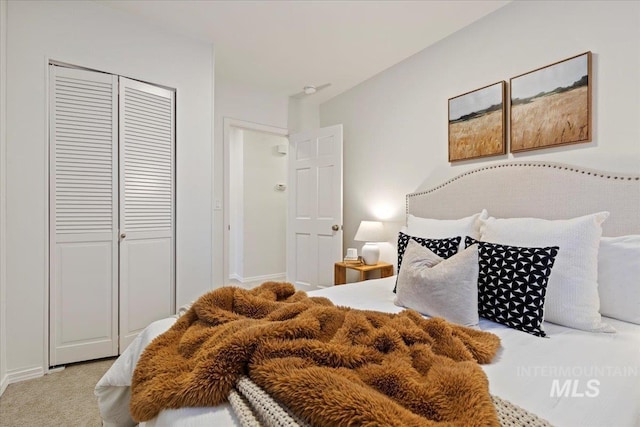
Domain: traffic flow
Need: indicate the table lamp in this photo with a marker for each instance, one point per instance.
(370, 232)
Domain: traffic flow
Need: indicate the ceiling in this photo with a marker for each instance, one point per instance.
(282, 46)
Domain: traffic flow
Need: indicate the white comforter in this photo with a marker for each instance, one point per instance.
(571, 378)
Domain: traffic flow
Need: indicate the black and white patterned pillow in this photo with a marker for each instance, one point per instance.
(512, 284)
(444, 248)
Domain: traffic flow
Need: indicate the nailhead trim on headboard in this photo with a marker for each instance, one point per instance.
(585, 171)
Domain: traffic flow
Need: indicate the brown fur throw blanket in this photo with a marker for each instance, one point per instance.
(330, 365)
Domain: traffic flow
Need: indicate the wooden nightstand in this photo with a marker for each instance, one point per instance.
(340, 271)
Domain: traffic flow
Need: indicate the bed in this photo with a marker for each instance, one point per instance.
(571, 378)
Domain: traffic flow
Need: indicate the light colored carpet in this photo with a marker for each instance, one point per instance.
(62, 398)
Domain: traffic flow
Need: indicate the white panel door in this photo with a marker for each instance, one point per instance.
(314, 228)
(147, 199)
(83, 215)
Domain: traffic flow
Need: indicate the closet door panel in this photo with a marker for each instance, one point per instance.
(150, 280)
(83, 215)
(147, 159)
(85, 312)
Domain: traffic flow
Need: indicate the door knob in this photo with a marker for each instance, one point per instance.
(335, 227)
(123, 235)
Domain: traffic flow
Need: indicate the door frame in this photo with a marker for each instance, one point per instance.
(228, 124)
(4, 7)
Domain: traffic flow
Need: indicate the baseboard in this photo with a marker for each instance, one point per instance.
(3, 384)
(258, 278)
(22, 375)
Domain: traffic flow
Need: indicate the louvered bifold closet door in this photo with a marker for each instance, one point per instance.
(83, 215)
(147, 196)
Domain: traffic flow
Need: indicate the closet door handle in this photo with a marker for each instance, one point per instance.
(123, 235)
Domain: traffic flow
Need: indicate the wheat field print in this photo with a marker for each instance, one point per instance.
(476, 123)
(552, 105)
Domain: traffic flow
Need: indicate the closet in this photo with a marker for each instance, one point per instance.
(111, 210)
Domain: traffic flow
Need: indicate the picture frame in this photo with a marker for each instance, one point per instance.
(551, 105)
(477, 123)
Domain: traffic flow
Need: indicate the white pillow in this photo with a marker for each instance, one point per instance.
(445, 228)
(619, 277)
(572, 293)
(440, 287)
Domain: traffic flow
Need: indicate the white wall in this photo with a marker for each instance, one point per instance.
(247, 104)
(3, 134)
(95, 36)
(303, 115)
(265, 208)
(395, 124)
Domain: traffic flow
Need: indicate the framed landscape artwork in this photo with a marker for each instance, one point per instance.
(551, 106)
(477, 123)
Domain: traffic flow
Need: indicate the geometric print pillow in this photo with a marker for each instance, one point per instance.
(444, 248)
(512, 284)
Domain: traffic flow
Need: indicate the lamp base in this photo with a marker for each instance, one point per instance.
(370, 253)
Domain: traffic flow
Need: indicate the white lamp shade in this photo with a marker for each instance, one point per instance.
(370, 231)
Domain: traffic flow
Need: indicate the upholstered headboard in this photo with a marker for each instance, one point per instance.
(535, 189)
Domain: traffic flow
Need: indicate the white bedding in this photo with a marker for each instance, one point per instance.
(595, 376)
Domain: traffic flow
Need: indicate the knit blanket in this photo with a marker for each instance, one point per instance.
(329, 365)
(255, 408)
